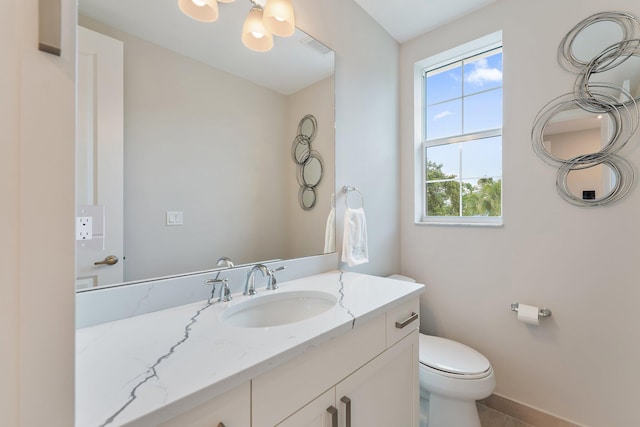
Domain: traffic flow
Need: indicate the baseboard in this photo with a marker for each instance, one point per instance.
(525, 413)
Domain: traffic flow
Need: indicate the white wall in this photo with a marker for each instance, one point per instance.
(38, 165)
(9, 193)
(367, 152)
(581, 364)
(36, 235)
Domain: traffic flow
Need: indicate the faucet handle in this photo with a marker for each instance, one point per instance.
(213, 283)
(271, 283)
(225, 293)
(223, 290)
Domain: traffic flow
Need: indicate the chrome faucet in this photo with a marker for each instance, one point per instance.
(225, 262)
(250, 286)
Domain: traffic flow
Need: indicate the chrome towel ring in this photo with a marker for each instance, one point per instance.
(346, 189)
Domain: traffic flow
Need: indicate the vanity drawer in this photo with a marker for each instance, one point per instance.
(402, 320)
(282, 391)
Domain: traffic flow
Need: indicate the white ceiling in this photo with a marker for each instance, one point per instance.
(218, 44)
(292, 64)
(407, 19)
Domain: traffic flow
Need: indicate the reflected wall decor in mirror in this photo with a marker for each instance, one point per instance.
(207, 126)
(583, 132)
(308, 161)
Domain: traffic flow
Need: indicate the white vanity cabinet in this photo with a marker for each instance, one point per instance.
(381, 393)
(232, 409)
(366, 377)
(363, 350)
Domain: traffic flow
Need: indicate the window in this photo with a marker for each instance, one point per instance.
(461, 147)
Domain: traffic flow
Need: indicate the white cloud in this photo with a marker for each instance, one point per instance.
(442, 115)
(483, 74)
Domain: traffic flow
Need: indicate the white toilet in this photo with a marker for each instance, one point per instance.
(452, 377)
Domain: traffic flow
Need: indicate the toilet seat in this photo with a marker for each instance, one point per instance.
(452, 359)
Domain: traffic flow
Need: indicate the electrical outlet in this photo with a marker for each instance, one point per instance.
(84, 228)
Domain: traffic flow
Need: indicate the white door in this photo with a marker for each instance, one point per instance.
(99, 160)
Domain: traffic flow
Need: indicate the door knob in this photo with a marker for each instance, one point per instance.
(110, 260)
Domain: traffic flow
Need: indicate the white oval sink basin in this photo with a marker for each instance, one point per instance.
(278, 309)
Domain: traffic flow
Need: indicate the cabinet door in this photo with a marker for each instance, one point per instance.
(320, 412)
(232, 409)
(384, 392)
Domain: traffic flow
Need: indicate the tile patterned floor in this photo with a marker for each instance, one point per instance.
(493, 418)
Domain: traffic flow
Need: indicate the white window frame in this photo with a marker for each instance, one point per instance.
(458, 53)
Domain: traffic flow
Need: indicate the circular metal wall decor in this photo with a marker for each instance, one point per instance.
(300, 150)
(307, 197)
(311, 170)
(310, 166)
(568, 52)
(622, 176)
(609, 102)
(308, 127)
(618, 54)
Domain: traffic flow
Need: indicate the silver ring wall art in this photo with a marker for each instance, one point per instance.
(582, 132)
(310, 166)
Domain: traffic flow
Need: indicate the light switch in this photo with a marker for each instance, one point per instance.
(175, 218)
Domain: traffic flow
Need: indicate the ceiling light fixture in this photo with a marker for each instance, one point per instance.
(200, 10)
(279, 18)
(264, 19)
(255, 34)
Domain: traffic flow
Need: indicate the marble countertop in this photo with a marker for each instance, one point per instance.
(163, 363)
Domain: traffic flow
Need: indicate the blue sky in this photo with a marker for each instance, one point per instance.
(476, 90)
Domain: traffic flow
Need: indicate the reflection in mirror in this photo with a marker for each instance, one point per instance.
(594, 38)
(576, 132)
(591, 183)
(312, 171)
(597, 184)
(307, 197)
(208, 126)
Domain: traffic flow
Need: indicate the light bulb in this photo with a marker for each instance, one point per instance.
(200, 10)
(254, 34)
(279, 17)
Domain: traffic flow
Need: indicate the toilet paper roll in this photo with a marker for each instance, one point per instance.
(528, 314)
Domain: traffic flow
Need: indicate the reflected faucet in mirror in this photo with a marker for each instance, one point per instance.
(225, 262)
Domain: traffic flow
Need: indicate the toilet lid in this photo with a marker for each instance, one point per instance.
(451, 356)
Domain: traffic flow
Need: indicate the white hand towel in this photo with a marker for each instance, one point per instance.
(354, 243)
(330, 233)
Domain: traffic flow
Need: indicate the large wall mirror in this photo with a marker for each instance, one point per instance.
(207, 129)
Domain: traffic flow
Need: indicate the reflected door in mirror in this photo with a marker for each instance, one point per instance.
(99, 180)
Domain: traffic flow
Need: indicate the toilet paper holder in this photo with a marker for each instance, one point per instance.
(543, 312)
